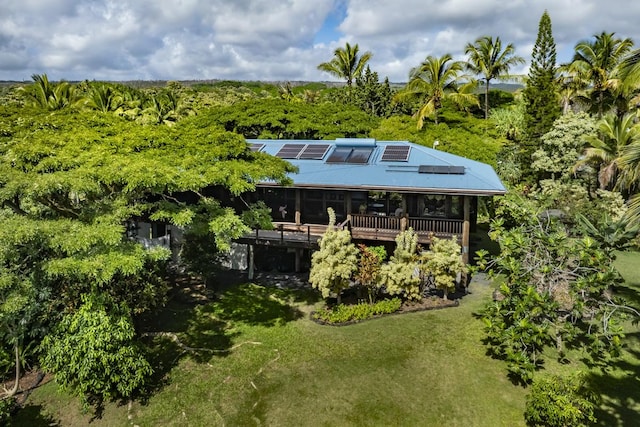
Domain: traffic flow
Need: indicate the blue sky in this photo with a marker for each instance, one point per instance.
(275, 40)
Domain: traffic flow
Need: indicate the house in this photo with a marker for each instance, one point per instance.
(376, 188)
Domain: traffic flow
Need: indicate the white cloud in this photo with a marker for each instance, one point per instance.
(274, 40)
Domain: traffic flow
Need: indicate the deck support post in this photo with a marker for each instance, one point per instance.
(298, 204)
(466, 227)
(250, 262)
(298, 263)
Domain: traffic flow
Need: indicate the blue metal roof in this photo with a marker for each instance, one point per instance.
(453, 174)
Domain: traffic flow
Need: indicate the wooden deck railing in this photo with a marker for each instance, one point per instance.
(436, 225)
(376, 226)
(370, 227)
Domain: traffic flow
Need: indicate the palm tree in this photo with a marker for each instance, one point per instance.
(51, 96)
(630, 162)
(598, 64)
(433, 81)
(607, 151)
(104, 98)
(489, 60)
(346, 63)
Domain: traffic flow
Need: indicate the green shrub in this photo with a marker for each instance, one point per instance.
(6, 406)
(557, 401)
(342, 313)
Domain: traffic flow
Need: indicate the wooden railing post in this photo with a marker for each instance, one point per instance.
(466, 227)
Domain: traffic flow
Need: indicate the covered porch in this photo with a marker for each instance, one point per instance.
(300, 215)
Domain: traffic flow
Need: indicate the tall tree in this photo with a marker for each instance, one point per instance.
(489, 60)
(433, 81)
(372, 96)
(71, 181)
(542, 105)
(347, 63)
(598, 63)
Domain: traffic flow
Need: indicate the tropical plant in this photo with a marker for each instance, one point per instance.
(50, 96)
(400, 275)
(372, 96)
(71, 180)
(443, 262)
(607, 148)
(488, 60)
(93, 354)
(562, 146)
(598, 63)
(556, 401)
(347, 63)
(335, 262)
(555, 293)
(369, 264)
(433, 81)
(104, 98)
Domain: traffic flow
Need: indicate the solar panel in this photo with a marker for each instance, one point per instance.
(339, 155)
(314, 151)
(360, 155)
(290, 151)
(395, 153)
(256, 147)
(450, 170)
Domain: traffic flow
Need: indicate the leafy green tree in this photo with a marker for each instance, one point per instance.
(371, 96)
(556, 401)
(489, 60)
(444, 263)
(555, 292)
(542, 105)
(433, 81)
(399, 275)
(278, 119)
(70, 181)
(562, 147)
(335, 262)
(347, 63)
(93, 354)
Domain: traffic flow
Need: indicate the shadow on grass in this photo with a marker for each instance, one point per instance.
(618, 386)
(256, 305)
(203, 331)
(33, 416)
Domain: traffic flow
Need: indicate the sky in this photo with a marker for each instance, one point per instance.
(277, 40)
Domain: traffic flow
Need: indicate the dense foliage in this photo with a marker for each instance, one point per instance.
(71, 181)
(343, 313)
(93, 354)
(555, 291)
(557, 401)
(443, 264)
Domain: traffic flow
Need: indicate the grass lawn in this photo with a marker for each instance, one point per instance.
(273, 366)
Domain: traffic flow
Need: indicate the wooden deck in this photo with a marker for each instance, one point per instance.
(362, 227)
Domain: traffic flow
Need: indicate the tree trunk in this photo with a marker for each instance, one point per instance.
(486, 101)
(14, 390)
